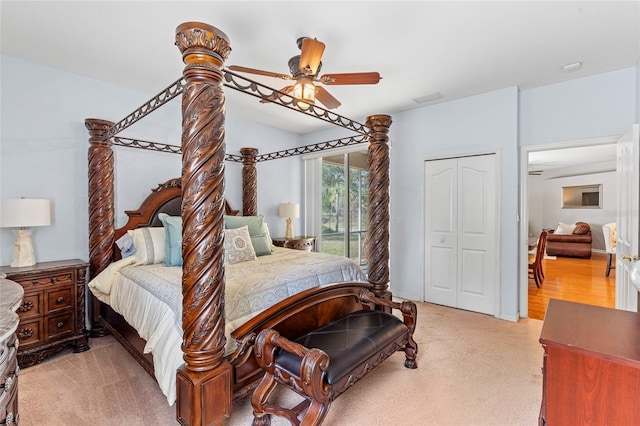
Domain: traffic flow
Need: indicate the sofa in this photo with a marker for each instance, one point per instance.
(570, 240)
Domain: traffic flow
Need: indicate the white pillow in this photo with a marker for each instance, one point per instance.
(149, 244)
(238, 246)
(565, 229)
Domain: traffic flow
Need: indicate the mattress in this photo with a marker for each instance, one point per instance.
(149, 297)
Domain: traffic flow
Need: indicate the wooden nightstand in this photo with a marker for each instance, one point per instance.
(52, 310)
(306, 243)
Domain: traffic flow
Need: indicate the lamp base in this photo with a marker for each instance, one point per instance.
(23, 249)
(289, 232)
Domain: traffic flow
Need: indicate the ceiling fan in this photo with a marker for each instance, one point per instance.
(304, 70)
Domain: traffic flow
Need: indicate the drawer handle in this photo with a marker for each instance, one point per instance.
(26, 306)
(60, 324)
(25, 333)
(60, 299)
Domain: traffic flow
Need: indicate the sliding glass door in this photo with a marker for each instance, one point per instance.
(345, 202)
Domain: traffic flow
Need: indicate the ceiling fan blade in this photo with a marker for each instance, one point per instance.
(260, 72)
(311, 55)
(286, 89)
(326, 98)
(351, 78)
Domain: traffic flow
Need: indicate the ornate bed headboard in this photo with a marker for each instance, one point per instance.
(166, 198)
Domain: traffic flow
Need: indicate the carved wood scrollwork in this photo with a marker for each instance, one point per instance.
(203, 168)
(101, 196)
(249, 182)
(377, 243)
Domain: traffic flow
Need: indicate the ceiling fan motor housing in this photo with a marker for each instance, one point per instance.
(296, 72)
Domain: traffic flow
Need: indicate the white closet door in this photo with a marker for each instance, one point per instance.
(477, 233)
(441, 222)
(461, 233)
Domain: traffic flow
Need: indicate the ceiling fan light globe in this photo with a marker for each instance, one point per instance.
(304, 91)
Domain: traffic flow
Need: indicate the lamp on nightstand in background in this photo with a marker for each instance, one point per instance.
(22, 213)
(289, 210)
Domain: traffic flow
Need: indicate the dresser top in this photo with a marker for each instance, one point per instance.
(11, 294)
(609, 333)
(43, 266)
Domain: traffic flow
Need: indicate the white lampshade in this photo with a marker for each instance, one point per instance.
(25, 212)
(289, 210)
(22, 213)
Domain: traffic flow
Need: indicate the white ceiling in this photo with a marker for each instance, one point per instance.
(420, 47)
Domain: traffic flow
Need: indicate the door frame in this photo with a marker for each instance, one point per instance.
(524, 206)
(498, 185)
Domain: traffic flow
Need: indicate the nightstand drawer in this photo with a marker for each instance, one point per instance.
(67, 277)
(30, 332)
(59, 325)
(58, 300)
(31, 305)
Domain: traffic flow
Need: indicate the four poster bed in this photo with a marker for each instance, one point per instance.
(214, 372)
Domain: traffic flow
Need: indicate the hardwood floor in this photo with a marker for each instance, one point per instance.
(576, 280)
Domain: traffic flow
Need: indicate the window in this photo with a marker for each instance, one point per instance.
(345, 199)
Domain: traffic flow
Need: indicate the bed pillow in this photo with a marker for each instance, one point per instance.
(172, 239)
(149, 244)
(125, 244)
(255, 224)
(237, 246)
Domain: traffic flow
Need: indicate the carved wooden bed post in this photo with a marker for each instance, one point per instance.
(101, 209)
(206, 375)
(249, 182)
(377, 243)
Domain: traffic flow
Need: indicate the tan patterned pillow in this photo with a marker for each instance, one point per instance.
(237, 246)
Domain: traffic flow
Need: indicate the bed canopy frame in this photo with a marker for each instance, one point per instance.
(204, 379)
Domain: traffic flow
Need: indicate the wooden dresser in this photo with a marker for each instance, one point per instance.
(52, 314)
(306, 243)
(591, 365)
(11, 295)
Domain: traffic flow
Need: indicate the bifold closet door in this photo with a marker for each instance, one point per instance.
(460, 232)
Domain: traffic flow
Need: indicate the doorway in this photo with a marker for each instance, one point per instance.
(556, 163)
(461, 238)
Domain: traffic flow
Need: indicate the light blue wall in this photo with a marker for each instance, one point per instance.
(44, 144)
(596, 106)
(483, 123)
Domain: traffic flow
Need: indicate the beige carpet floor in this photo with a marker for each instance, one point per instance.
(473, 369)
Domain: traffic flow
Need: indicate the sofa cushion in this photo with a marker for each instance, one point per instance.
(581, 228)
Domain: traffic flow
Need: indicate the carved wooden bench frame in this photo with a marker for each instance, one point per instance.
(310, 381)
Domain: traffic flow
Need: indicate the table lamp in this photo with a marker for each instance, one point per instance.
(22, 213)
(289, 210)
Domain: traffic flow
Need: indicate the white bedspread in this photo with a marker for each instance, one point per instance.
(149, 297)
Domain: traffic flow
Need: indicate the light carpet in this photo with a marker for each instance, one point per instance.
(473, 369)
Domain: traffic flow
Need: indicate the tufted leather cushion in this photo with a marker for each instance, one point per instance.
(349, 342)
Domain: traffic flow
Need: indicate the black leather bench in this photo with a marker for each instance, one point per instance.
(325, 362)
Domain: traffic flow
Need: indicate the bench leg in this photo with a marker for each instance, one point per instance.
(260, 398)
(410, 352)
(316, 413)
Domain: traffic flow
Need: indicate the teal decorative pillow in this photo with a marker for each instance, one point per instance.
(237, 246)
(256, 226)
(254, 223)
(173, 239)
